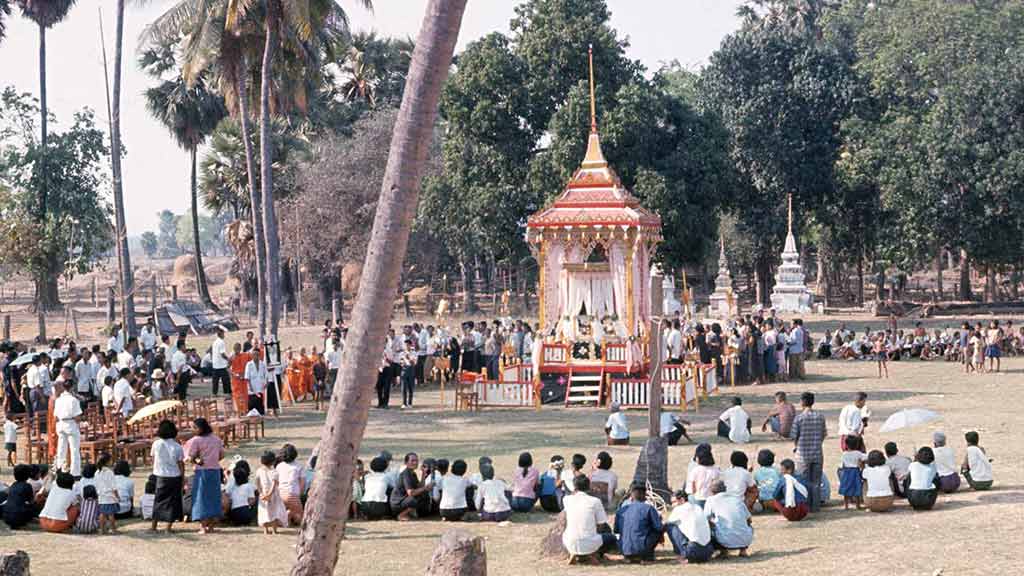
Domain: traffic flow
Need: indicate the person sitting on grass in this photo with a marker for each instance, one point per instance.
(734, 423)
(673, 428)
(60, 512)
(453, 493)
(20, 509)
(739, 481)
(88, 512)
(409, 497)
(125, 490)
(586, 524)
(790, 497)
(767, 479)
(376, 491)
(731, 528)
(491, 499)
(701, 475)
(688, 530)
(638, 525)
(524, 484)
(977, 466)
(602, 473)
(922, 483)
(616, 428)
(945, 464)
(878, 488)
(148, 498)
(552, 487)
(780, 417)
(900, 466)
(242, 498)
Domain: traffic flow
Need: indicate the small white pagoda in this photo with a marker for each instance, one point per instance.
(723, 300)
(790, 293)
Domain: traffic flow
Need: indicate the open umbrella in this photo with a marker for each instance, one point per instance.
(154, 409)
(26, 358)
(908, 418)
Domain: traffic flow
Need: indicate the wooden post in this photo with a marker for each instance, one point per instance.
(341, 306)
(7, 327)
(111, 314)
(298, 293)
(152, 286)
(174, 292)
(334, 309)
(74, 324)
(94, 303)
(41, 318)
(654, 397)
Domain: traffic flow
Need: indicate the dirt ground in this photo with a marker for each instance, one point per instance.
(967, 533)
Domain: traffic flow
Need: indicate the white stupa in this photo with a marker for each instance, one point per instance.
(790, 293)
(723, 300)
(670, 306)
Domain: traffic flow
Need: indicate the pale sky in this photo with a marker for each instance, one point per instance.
(156, 171)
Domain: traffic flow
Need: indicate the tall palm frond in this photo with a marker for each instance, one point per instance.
(5, 11)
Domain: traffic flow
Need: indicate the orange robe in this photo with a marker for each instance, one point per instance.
(239, 385)
(51, 428)
(293, 375)
(307, 374)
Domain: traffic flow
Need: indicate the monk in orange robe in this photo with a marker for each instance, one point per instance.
(239, 385)
(51, 428)
(293, 378)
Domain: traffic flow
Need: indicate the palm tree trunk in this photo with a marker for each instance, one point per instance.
(255, 212)
(327, 509)
(201, 285)
(125, 273)
(273, 262)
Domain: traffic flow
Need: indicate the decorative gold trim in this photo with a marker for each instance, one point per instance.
(630, 309)
(542, 281)
(587, 267)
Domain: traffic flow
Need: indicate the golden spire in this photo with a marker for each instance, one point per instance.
(594, 157)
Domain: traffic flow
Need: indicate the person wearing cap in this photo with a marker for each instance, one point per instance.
(616, 428)
(158, 381)
(945, 464)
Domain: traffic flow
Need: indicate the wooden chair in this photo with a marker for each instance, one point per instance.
(37, 448)
(466, 396)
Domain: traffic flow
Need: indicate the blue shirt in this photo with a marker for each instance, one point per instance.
(796, 340)
(638, 525)
(768, 480)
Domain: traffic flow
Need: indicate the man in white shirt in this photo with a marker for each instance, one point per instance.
(181, 372)
(84, 375)
(103, 370)
(428, 345)
(734, 423)
(123, 393)
(126, 357)
(674, 343)
(851, 419)
(220, 362)
(673, 427)
(116, 341)
(333, 365)
(66, 411)
(256, 375)
(147, 336)
(688, 530)
(731, 520)
(583, 515)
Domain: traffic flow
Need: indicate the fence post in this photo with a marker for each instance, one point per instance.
(93, 292)
(74, 324)
(7, 326)
(334, 310)
(174, 292)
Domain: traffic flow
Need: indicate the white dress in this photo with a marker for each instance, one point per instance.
(271, 510)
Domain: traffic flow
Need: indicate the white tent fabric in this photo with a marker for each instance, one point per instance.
(553, 272)
(617, 261)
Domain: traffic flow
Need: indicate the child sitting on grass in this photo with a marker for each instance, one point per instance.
(977, 466)
(148, 498)
(491, 498)
(791, 495)
(767, 478)
(738, 480)
(877, 477)
(88, 512)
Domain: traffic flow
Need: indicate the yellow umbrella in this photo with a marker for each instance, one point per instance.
(151, 410)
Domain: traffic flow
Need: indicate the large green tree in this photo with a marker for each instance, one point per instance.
(782, 94)
(190, 112)
(76, 230)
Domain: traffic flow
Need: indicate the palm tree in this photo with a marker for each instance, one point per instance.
(190, 113)
(126, 273)
(223, 36)
(296, 22)
(324, 521)
(361, 81)
(46, 14)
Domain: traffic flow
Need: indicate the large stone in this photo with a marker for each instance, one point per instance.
(551, 546)
(459, 554)
(15, 564)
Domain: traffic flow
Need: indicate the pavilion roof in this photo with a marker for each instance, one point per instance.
(594, 197)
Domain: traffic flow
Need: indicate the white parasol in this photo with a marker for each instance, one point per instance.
(908, 418)
(154, 409)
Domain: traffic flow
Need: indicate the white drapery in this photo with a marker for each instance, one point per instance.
(617, 261)
(602, 295)
(552, 283)
(579, 294)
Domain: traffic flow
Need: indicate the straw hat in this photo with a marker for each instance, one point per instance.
(158, 374)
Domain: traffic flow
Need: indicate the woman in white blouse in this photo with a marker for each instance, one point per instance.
(922, 484)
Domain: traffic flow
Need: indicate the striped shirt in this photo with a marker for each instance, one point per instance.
(809, 432)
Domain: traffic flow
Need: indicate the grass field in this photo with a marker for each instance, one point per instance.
(967, 533)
